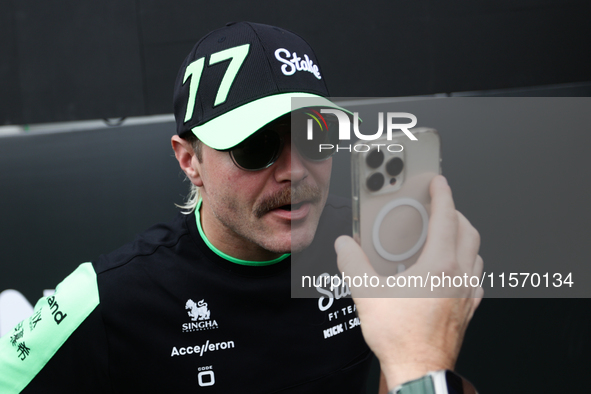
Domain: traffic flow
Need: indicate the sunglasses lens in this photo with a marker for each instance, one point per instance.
(263, 148)
(323, 143)
(257, 151)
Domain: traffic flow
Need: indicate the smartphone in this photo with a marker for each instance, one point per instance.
(391, 200)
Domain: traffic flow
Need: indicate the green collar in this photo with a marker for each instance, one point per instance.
(228, 257)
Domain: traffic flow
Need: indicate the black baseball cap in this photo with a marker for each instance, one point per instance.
(241, 77)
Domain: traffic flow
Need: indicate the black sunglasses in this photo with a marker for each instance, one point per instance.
(263, 148)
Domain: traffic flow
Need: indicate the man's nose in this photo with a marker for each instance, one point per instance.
(289, 165)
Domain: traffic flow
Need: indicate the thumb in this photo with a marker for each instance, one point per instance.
(351, 259)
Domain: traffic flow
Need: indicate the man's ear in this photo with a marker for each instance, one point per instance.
(184, 153)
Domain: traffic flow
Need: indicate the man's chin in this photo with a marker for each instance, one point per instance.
(294, 244)
(299, 242)
(292, 238)
(303, 232)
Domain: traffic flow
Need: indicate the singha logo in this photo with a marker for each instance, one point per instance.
(199, 317)
(197, 311)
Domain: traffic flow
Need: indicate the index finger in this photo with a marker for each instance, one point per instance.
(443, 224)
(353, 262)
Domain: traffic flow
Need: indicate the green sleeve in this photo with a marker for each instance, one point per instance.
(25, 350)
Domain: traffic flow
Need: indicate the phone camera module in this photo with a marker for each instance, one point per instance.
(394, 167)
(375, 158)
(375, 182)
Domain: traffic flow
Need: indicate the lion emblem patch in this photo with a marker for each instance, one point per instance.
(197, 311)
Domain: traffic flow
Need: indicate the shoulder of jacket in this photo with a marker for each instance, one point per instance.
(146, 244)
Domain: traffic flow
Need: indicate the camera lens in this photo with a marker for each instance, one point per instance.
(394, 166)
(375, 158)
(375, 182)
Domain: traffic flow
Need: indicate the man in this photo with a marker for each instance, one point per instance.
(203, 303)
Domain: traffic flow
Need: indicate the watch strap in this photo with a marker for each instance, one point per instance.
(437, 382)
(422, 385)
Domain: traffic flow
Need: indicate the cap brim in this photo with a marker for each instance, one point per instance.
(233, 127)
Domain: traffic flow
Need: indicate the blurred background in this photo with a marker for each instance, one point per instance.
(85, 126)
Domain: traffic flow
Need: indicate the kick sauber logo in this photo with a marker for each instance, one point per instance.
(200, 317)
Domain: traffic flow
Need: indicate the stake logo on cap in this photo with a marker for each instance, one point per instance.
(241, 77)
(290, 66)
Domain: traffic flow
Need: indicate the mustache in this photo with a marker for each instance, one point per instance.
(285, 196)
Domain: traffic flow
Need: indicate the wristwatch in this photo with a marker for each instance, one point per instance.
(437, 382)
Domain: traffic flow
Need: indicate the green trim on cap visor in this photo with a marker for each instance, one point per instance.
(233, 127)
